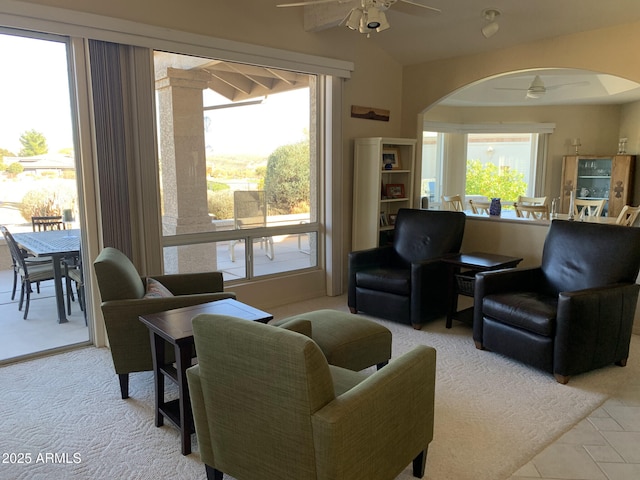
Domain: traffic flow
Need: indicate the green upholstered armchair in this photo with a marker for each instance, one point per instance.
(268, 406)
(125, 297)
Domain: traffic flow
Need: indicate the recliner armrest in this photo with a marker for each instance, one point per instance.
(594, 327)
(372, 257)
(399, 397)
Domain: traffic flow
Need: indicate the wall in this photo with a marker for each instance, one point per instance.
(630, 128)
(597, 126)
(608, 50)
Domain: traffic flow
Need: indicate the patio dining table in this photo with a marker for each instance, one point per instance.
(56, 244)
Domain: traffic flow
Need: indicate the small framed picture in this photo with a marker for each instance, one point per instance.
(383, 219)
(392, 218)
(395, 190)
(390, 159)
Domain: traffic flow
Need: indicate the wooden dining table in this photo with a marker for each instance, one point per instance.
(57, 244)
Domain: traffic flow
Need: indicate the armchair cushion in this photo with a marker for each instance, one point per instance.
(530, 311)
(392, 280)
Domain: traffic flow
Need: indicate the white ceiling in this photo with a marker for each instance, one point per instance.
(418, 35)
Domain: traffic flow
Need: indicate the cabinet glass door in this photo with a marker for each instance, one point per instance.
(594, 180)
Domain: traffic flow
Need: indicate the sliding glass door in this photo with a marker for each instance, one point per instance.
(37, 179)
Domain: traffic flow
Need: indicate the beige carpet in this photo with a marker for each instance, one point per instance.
(492, 414)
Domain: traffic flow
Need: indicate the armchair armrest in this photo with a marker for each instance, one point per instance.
(399, 397)
(369, 258)
(362, 260)
(594, 327)
(200, 421)
(501, 281)
(189, 283)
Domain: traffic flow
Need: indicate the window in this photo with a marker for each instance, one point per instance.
(238, 167)
(501, 165)
(477, 160)
(432, 154)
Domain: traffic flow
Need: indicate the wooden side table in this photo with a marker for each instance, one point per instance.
(174, 327)
(461, 284)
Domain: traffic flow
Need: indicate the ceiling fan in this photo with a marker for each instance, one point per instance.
(537, 88)
(368, 17)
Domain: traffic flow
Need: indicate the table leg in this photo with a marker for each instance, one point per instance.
(183, 361)
(57, 280)
(157, 354)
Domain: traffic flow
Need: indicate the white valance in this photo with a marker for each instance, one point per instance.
(489, 127)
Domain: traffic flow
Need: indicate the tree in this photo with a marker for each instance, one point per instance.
(14, 169)
(4, 153)
(288, 178)
(33, 143)
(493, 182)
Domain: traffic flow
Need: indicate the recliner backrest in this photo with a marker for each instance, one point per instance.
(117, 276)
(579, 255)
(261, 384)
(424, 234)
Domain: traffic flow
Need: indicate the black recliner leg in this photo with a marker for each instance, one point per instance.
(124, 385)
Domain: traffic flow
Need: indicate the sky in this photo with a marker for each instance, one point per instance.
(34, 94)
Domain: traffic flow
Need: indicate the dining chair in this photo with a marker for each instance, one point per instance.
(479, 207)
(592, 208)
(522, 200)
(628, 215)
(47, 223)
(29, 272)
(531, 207)
(452, 202)
(73, 274)
(537, 212)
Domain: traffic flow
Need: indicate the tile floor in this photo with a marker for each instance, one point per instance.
(603, 446)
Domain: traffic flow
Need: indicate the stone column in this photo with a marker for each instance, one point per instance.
(183, 168)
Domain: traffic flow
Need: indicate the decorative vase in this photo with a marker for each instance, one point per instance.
(495, 208)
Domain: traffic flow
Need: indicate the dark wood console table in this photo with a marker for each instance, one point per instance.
(461, 278)
(174, 327)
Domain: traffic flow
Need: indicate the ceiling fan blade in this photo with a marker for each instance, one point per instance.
(575, 84)
(411, 2)
(314, 2)
(507, 88)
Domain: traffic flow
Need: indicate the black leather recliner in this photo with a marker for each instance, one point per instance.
(407, 281)
(572, 314)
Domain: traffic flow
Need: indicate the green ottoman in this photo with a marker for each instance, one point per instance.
(347, 340)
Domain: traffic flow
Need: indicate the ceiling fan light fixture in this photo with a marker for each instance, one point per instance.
(383, 23)
(374, 18)
(354, 19)
(491, 28)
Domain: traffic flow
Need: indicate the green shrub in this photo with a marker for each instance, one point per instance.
(220, 204)
(46, 202)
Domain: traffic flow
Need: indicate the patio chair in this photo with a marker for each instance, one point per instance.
(47, 223)
(31, 270)
(250, 211)
(73, 273)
